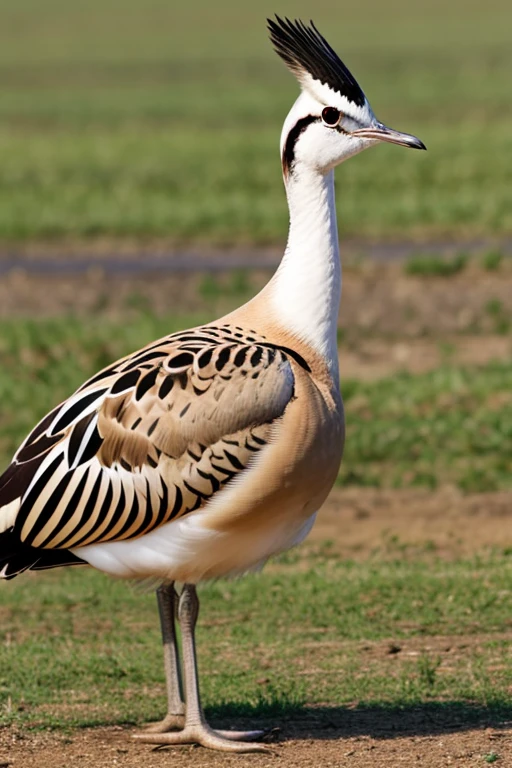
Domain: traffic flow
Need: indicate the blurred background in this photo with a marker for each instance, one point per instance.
(141, 192)
(126, 122)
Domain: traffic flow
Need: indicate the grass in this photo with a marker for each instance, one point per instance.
(77, 648)
(451, 425)
(236, 286)
(492, 260)
(498, 315)
(430, 265)
(166, 128)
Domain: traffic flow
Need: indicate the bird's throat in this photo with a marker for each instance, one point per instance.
(306, 289)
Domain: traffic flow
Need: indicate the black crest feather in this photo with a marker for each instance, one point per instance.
(304, 49)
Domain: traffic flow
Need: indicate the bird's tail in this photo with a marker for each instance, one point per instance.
(16, 557)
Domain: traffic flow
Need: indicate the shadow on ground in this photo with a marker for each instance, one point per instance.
(375, 721)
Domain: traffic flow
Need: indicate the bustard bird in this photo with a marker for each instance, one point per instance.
(210, 450)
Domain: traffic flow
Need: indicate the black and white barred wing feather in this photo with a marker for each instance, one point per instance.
(147, 440)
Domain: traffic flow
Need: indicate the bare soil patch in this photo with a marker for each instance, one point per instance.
(372, 739)
(359, 522)
(377, 298)
(375, 358)
(390, 321)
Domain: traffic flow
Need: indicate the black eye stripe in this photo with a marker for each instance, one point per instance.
(292, 138)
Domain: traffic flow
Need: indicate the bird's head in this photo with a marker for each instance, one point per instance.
(332, 119)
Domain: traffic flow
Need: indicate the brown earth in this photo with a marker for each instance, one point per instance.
(377, 298)
(360, 522)
(390, 322)
(320, 739)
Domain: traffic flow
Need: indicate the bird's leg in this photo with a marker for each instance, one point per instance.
(196, 730)
(175, 717)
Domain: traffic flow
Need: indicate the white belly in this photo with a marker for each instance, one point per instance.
(185, 550)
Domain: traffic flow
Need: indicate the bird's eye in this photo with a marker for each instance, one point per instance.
(331, 116)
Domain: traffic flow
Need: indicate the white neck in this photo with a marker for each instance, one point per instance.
(306, 289)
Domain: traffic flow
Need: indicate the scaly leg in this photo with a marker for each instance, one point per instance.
(175, 717)
(196, 730)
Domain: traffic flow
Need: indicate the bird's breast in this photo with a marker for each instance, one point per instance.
(269, 508)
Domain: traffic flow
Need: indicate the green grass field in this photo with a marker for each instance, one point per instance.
(78, 648)
(451, 425)
(151, 121)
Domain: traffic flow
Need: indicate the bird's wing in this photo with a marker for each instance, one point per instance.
(147, 440)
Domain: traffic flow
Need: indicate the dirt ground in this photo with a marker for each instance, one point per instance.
(378, 299)
(358, 522)
(343, 738)
(390, 322)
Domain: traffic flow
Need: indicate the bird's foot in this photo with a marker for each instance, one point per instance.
(202, 734)
(171, 722)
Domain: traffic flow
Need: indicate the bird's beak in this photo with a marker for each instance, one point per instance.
(381, 132)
